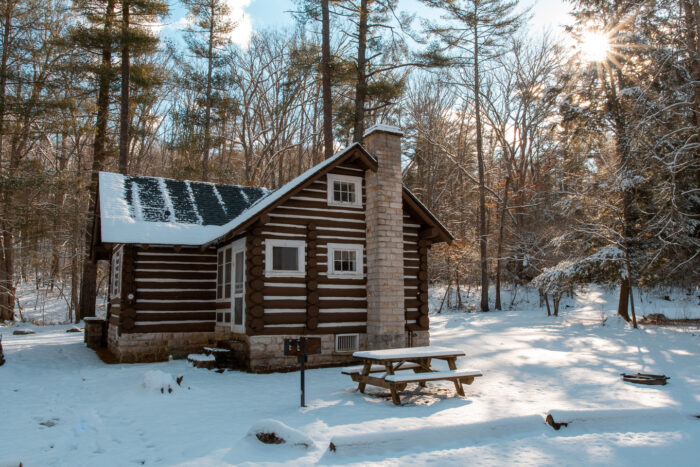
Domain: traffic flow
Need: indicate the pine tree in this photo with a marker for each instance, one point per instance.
(95, 36)
(476, 32)
(135, 39)
(205, 39)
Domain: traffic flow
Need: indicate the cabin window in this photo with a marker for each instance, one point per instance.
(345, 260)
(284, 258)
(347, 342)
(344, 190)
(116, 279)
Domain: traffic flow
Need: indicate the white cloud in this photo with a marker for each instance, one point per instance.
(239, 17)
(244, 24)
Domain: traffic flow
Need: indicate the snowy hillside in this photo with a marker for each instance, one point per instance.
(63, 406)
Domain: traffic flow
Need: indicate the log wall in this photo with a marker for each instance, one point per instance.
(175, 290)
(416, 273)
(314, 304)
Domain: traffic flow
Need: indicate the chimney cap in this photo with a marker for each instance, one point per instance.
(394, 130)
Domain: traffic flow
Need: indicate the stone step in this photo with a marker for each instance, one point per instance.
(200, 360)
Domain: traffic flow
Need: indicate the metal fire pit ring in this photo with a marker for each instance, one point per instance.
(641, 378)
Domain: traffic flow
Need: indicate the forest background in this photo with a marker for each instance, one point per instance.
(556, 158)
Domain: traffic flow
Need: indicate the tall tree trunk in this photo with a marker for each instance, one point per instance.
(88, 283)
(483, 260)
(500, 244)
(326, 81)
(692, 21)
(124, 100)
(207, 110)
(622, 150)
(361, 87)
(7, 297)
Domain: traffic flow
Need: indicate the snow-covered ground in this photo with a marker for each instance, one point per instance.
(46, 306)
(60, 405)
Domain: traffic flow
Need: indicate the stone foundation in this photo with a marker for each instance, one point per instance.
(258, 354)
(418, 338)
(156, 346)
(266, 353)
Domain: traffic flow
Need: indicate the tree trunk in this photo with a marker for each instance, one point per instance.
(7, 302)
(7, 289)
(500, 244)
(483, 260)
(622, 304)
(124, 100)
(622, 149)
(556, 298)
(361, 87)
(546, 301)
(326, 81)
(75, 283)
(459, 293)
(631, 290)
(88, 290)
(207, 110)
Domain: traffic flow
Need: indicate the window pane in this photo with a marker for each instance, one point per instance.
(344, 261)
(238, 276)
(344, 192)
(238, 310)
(227, 270)
(285, 258)
(220, 269)
(227, 317)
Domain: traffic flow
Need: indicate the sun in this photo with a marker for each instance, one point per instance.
(594, 46)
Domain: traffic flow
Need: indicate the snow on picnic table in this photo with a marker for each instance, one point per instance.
(61, 405)
(413, 352)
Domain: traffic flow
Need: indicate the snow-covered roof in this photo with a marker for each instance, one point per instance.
(165, 211)
(280, 192)
(162, 211)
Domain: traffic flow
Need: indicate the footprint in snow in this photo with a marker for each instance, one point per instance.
(49, 423)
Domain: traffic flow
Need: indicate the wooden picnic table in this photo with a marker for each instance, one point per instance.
(418, 359)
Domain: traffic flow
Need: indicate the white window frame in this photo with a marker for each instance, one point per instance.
(358, 249)
(115, 285)
(357, 342)
(357, 181)
(301, 259)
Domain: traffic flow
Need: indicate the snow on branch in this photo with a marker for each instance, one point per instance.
(604, 266)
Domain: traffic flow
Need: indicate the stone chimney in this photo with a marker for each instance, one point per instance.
(384, 216)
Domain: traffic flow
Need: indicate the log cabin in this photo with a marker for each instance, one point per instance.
(340, 252)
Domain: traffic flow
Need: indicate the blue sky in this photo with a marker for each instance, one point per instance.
(273, 12)
(260, 14)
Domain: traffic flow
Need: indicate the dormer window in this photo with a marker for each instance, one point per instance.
(344, 190)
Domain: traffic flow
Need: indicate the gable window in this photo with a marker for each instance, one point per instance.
(284, 257)
(344, 190)
(345, 260)
(116, 279)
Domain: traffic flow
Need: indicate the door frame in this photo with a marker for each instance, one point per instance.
(239, 246)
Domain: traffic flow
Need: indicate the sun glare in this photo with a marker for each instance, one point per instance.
(595, 46)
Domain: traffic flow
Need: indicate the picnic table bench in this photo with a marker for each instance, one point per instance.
(417, 359)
